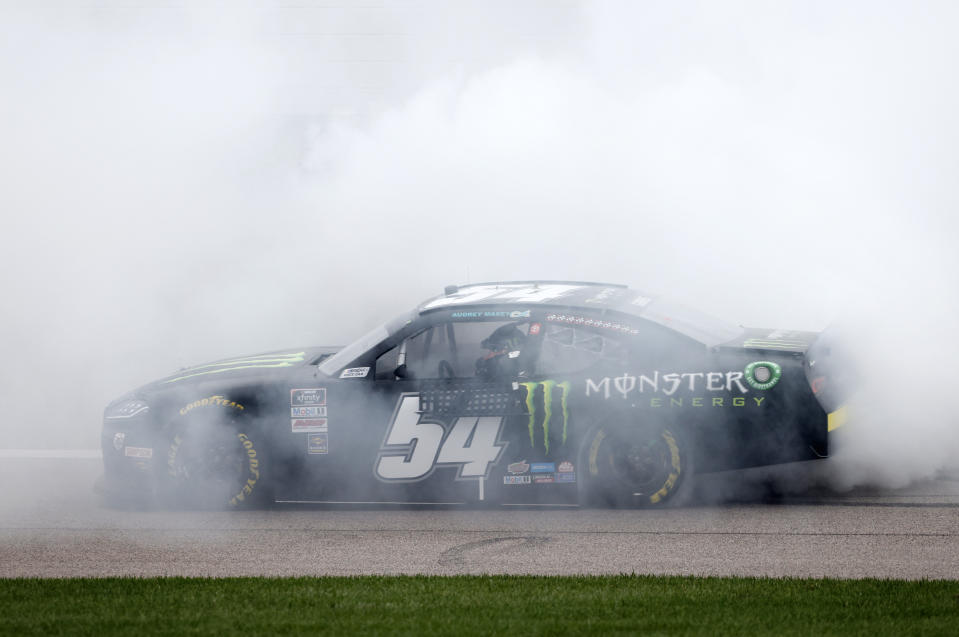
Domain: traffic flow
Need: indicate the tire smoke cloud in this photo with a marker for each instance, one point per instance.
(183, 184)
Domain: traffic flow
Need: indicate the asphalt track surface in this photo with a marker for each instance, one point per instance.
(53, 525)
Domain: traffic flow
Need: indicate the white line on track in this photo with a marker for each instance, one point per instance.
(83, 454)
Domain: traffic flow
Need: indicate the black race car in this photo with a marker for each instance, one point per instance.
(507, 393)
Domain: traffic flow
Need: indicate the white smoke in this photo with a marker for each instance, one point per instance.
(775, 170)
(186, 184)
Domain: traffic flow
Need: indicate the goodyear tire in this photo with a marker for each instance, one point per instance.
(214, 459)
(646, 467)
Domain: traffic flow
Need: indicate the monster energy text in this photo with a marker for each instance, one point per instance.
(761, 375)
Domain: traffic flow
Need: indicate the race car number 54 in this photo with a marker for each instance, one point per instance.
(414, 447)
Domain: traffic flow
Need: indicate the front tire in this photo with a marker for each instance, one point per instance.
(214, 460)
(638, 466)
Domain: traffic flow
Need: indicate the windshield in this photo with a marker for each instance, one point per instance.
(363, 344)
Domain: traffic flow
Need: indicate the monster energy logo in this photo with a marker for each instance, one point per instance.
(264, 361)
(547, 386)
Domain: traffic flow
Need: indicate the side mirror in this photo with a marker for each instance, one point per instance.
(400, 372)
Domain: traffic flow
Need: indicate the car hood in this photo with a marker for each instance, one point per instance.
(238, 367)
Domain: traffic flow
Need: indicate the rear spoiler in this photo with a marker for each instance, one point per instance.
(772, 340)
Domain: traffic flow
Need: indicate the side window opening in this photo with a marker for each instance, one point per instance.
(387, 363)
(545, 349)
(654, 345)
(567, 350)
(488, 350)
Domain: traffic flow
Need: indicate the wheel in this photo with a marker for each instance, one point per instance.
(638, 466)
(213, 460)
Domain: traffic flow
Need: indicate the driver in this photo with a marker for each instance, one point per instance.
(503, 359)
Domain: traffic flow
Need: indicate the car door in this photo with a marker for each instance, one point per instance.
(430, 412)
(450, 390)
(543, 466)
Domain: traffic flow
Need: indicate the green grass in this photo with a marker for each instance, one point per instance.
(521, 606)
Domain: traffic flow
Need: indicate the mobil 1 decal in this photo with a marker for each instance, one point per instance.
(725, 388)
(415, 444)
(308, 412)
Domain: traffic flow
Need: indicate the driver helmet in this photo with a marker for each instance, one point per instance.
(504, 338)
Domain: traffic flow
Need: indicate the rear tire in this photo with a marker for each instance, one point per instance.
(638, 466)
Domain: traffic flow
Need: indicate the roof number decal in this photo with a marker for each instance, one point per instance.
(505, 293)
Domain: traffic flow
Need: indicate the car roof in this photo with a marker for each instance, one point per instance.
(589, 295)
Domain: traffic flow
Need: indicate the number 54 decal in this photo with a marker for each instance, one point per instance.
(414, 446)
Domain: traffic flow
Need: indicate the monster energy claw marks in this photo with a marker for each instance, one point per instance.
(547, 401)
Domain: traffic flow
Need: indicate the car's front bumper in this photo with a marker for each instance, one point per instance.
(130, 461)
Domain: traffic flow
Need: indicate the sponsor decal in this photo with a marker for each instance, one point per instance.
(118, 440)
(502, 314)
(763, 375)
(566, 477)
(355, 372)
(543, 467)
(565, 467)
(675, 466)
(309, 425)
(253, 464)
(544, 479)
(308, 412)
(667, 384)
(547, 393)
(138, 452)
(702, 401)
(518, 467)
(250, 362)
(516, 480)
(212, 400)
(318, 444)
(534, 329)
(310, 396)
(570, 319)
(641, 301)
(513, 354)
